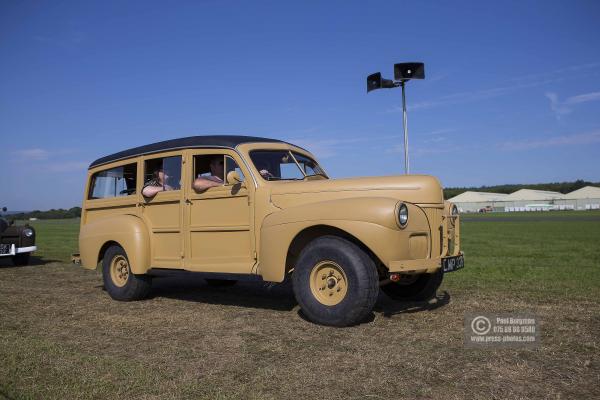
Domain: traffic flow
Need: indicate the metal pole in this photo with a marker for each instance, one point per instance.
(405, 123)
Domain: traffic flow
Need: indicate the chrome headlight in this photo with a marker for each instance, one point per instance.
(402, 215)
(27, 232)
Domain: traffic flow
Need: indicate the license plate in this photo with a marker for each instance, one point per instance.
(450, 264)
(5, 248)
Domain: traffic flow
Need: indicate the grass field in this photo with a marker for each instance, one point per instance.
(61, 336)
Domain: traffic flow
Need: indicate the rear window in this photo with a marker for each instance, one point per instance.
(114, 182)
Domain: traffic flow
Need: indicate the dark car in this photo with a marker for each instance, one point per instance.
(17, 242)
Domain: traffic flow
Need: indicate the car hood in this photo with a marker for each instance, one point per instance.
(417, 189)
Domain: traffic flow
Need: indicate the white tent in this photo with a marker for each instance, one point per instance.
(474, 201)
(588, 192)
(470, 197)
(532, 200)
(533, 195)
(586, 198)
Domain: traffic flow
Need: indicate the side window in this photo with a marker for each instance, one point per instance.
(215, 165)
(165, 172)
(114, 182)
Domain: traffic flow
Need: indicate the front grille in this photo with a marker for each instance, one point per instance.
(442, 226)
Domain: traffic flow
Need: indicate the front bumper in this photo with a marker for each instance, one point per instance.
(18, 250)
(424, 266)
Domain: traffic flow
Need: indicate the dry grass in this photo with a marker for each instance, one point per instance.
(61, 336)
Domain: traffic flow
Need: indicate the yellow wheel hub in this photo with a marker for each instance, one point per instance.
(328, 283)
(119, 270)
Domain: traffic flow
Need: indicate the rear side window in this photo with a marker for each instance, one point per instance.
(114, 182)
(165, 172)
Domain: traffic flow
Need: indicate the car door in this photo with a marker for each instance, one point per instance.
(219, 220)
(163, 213)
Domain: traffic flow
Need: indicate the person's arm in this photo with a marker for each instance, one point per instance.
(203, 183)
(150, 191)
(266, 174)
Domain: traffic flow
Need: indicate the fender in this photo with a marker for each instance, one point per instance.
(379, 210)
(371, 220)
(128, 231)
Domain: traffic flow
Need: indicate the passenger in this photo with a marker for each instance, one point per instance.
(216, 176)
(158, 183)
(263, 170)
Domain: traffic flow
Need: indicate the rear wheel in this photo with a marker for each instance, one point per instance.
(415, 288)
(21, 259)
(335, 282)
(119, 281)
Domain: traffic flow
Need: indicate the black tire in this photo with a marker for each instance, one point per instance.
(21, 259)
(220, 282)
(360, 275)
(424, 288)
(136, 287)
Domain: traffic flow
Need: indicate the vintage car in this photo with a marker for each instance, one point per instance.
(275, 215)
(16, 242)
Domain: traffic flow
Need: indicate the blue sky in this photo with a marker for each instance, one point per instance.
(512, 92)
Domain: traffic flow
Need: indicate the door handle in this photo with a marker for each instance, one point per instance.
(140, 204)
(188, 201)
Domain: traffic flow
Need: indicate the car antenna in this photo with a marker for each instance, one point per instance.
(403, 72)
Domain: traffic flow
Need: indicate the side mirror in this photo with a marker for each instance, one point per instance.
(3, 209)
(233, 178)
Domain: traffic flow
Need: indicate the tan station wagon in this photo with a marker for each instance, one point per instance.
(269, 211)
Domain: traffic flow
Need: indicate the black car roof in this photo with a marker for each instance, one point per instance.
(227, 141)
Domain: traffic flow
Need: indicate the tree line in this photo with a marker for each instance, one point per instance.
(73, 212)
(561, 187)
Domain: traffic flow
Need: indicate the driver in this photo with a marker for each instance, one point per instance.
(158, 183)
(263, 170)
(215, 179)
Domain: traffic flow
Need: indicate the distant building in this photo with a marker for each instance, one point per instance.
(475, 201)
(532, 200)
(587, 198)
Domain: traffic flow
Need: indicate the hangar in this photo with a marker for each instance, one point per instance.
(531, 200)
(475, 201)
(586, 198)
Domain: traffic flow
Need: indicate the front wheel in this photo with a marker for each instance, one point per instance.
(335, 282)
(120, 283)
(415, 287)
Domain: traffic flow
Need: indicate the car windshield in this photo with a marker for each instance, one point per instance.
(285, 165)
